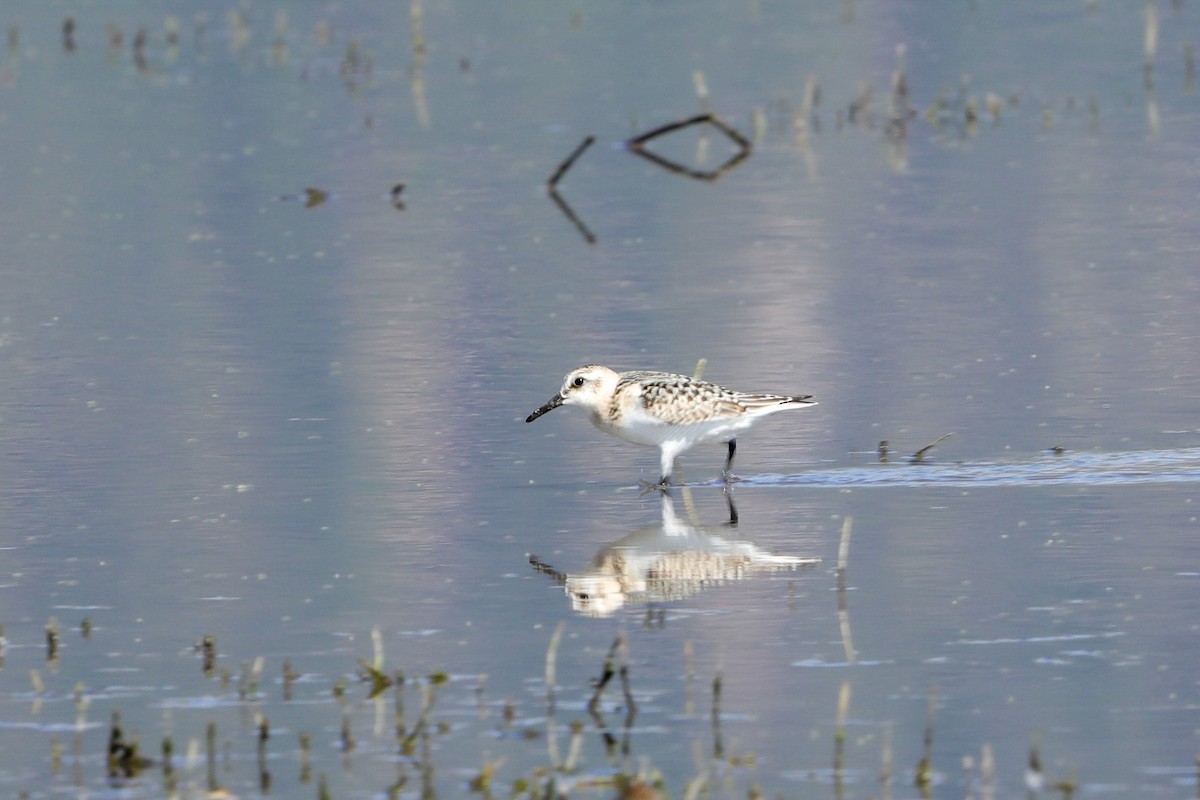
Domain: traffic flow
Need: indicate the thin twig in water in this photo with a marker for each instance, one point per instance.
(570, 214)
(566, 164)
(563, 206)
(637, 146)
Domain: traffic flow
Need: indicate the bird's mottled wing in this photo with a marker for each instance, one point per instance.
(680, 400)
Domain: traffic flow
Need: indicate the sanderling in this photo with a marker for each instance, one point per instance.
(664, 410)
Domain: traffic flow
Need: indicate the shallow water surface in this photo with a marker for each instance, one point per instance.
(263, 412)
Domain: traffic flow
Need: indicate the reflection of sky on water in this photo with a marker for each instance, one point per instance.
(225, 413)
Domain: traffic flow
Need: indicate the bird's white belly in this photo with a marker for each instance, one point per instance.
(645, 430)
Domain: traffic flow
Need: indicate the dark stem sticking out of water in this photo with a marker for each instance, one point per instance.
(587, 142)
(919, 456)
(923, 779)
(637, 145)
(563, 206)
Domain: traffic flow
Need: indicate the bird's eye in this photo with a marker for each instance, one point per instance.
(577, 382)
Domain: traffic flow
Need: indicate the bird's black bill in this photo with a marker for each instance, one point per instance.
(553, 403)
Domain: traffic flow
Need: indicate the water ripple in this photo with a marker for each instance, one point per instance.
(1089, 469)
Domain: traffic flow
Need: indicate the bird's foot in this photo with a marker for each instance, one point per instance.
(728, 477)
(664, 486)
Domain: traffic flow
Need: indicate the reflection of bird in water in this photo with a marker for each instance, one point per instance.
(665, 562)
(667, 411)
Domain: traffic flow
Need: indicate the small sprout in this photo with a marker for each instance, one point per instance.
(924, 775)
(208, 651)
(482, 783)
(380, 681)
(139, 51)
(123, 758)
(1035, 776)
(52, 640)
(994, 104)
(314, 197)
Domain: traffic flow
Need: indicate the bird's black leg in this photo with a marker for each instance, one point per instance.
(727, 474)
(733, 515)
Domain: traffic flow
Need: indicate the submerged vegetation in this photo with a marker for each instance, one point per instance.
(605, 745)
